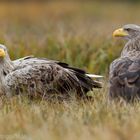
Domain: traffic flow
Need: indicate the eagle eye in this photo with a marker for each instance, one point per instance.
(128, 29)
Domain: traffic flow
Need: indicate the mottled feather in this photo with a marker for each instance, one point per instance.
(124, 73)
(40, 77)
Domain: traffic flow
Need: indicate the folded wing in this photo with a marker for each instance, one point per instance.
(42, 77)
(125, 79)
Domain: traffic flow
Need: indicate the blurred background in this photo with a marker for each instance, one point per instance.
(75, 32)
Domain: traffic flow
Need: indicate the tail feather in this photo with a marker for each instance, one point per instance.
(94, 76)
(87, 82)
(82, 81)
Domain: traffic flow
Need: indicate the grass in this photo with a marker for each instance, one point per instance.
(79, 33)
(98, 119)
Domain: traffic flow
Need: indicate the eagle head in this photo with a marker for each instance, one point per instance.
(128, 31)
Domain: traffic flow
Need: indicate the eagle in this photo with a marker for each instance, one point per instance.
(124, 75)
(42, 78)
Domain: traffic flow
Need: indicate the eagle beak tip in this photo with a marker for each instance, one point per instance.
(2, 53)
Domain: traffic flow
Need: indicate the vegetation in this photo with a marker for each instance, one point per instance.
(78, 33)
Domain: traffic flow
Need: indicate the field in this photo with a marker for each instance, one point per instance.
(78, 33)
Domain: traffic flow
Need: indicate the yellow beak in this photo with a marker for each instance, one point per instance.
(2, 53)
(120, 33)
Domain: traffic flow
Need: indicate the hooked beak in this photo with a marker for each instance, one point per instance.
(2, 53)
(120, 33)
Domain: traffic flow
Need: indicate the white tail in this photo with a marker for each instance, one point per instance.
(94, 76)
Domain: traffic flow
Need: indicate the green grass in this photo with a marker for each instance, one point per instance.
(79, 34)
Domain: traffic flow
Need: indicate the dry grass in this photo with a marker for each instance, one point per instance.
(73, 120)
(79, 34)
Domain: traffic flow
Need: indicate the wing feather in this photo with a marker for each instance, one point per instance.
(125, 79)
(42, 77)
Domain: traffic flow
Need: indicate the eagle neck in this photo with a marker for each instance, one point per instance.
(132, 48)
(6, 66)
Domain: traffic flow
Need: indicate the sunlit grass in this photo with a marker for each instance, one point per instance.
(97, 119)
(79, 34)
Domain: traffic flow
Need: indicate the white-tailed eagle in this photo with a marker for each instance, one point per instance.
(125, 70)
(40, 77)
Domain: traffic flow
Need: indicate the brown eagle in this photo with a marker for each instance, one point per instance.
(41, 77)
(124, 76)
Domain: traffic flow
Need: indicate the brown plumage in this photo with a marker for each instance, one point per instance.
(40, 77)
(124, 76)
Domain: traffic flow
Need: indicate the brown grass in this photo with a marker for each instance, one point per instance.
(81, 35)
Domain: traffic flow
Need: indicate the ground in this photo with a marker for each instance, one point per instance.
(81, 35)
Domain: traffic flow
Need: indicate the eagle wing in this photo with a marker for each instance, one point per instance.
(41, 77)
(125, 78)
(18, 61)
